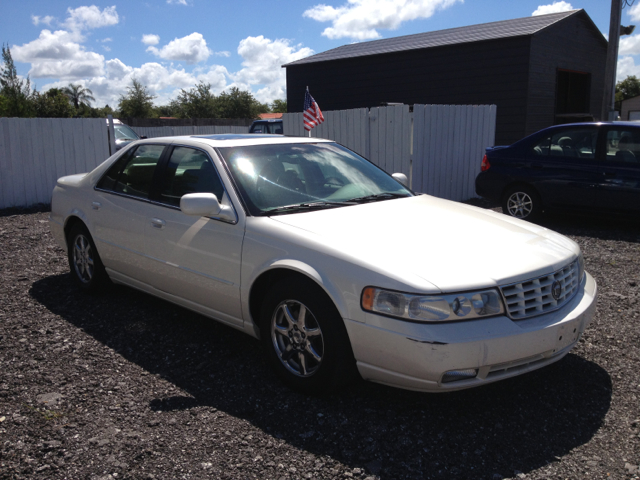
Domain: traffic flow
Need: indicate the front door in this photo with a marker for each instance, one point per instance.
(619, 187)
(197, 258)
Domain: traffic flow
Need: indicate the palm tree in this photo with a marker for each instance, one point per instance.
(78, 95)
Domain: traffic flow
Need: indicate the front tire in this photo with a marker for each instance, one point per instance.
(522, 202)
(304, 338)
(86, 267)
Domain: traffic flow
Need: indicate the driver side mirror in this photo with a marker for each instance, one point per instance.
(206, 205)
(402, 178)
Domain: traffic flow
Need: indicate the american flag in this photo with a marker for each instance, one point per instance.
(312, 114)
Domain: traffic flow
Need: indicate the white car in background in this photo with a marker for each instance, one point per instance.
(124, 134)
(336, 266)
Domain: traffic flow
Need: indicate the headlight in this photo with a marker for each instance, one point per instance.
(432, 308)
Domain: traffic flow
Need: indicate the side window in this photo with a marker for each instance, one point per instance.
(189, 171)
(137, 174)
(623, 145)
(108, 181)
(574, 143)
(541, 149)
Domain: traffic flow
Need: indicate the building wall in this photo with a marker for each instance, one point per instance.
(571, 45)
(517, 74)
(630, 105)
(481, 73)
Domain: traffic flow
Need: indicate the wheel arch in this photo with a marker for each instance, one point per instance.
(280, 270)
(70, 222)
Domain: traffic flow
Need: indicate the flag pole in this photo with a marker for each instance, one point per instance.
(309, 132)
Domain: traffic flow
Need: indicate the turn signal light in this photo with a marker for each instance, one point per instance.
(485, 165)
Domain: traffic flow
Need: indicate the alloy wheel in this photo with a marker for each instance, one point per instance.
(297, 338)
(520, 205)
(83, 258)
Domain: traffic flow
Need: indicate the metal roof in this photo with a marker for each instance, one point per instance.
(473, 33)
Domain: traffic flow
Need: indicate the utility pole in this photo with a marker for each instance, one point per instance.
(608, 100)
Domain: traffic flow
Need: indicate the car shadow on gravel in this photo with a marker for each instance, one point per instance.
(517, 425)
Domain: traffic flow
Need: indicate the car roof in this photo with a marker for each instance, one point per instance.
(235, 140)
(598, 124)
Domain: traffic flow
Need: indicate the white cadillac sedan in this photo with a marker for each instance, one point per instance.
(336, 266)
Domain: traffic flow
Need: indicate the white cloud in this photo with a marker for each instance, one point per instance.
(44, 20)
(361, 19)
(150, 39)
(634, 12)
(222, 54)
(86, 18)
(58, 55)
(262, 62)
(626, 67)
(190, 49)
(555, 7)
(177, 2)
(629, 45)
(117, 70)
(104, 40)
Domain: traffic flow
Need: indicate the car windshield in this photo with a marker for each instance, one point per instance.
(124, 132)
(287, 178)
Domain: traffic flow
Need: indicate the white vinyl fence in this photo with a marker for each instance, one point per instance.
(153, 132)
(438, 147)
(449, 142)
(35, 152)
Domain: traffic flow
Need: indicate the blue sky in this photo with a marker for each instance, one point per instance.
(173, 44)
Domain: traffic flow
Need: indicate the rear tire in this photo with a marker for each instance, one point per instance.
(305, 339)
(87, 269)
(522, 202)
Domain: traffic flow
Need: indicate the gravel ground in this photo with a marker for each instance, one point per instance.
(122, 385)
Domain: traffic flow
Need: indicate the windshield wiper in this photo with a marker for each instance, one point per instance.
(378, 197)
(306, 207)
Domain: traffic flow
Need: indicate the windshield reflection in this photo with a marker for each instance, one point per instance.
(273, 176)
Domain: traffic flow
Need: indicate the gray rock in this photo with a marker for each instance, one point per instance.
(50, 399)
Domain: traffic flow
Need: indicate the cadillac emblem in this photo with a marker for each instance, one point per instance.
(556, 290)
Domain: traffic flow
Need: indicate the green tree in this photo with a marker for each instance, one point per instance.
(52, 104)
(78, 95)
(197, 102)
(239, 104)
(279, 106)
(16, 92)
(137, 103)
(627, 88)
(166, 110)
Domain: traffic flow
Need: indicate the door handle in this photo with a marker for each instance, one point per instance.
(158, 222)
(96, 205)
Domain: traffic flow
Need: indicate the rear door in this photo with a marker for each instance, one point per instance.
(564, 168)
(121, 205)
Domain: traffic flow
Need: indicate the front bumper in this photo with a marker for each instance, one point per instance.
(416, 356)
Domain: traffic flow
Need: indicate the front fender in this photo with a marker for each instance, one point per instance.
(323, 280)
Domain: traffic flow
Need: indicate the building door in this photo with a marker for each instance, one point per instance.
(572, 96)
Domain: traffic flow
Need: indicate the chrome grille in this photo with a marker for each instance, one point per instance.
(534, 297)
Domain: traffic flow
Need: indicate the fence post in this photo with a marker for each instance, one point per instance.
(112, 135)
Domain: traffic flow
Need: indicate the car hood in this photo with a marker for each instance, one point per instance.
(452, 246)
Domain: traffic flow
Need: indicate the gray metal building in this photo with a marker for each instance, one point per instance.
(539, 71)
